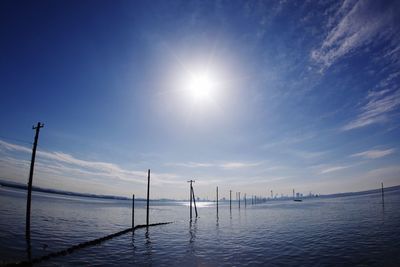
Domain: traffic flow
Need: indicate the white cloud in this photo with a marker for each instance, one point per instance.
(376, 109)
(238, 165)
(223, 165)
(191, 164)
(356, 24)
(65, 164)
(333, 169)
(374, 154)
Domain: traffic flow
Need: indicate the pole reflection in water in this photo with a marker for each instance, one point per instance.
(29, 249)
(148, 246)
(192, 237)
(133, 241)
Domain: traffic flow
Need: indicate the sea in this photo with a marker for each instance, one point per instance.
(354, 230)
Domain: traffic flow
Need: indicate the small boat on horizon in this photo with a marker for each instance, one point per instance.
(298, 200)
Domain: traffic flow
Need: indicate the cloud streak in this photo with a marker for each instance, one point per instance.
(374, 154)
(66, 164)
(333, 169)
(355, 24)
(379, 105)
(224, 165)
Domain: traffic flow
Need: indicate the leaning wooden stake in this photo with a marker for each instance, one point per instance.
(148, 197)
(194, 202)
(28, 199)
(191, 197)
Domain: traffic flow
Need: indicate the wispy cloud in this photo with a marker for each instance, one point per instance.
(221, 165)
(333, 169)
(374, 154)
(355, 24)
(238, 165)
(191, 164)
(66, 164)
(379, 105)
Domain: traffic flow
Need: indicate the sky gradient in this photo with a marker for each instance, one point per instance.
(307, 95)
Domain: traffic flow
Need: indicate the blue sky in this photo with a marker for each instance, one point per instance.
(305, 95)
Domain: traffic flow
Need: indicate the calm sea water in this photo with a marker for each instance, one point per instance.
(345, 231)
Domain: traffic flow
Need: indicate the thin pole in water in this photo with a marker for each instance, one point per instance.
(230, 199)
(29, 197)
(191, 197)
(245, 202)
(239, 199)
(217, 201)
(194, 202)
(133, 213)
(148, 197)
(383, 196)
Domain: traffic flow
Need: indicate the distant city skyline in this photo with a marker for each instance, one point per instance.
(248, 96)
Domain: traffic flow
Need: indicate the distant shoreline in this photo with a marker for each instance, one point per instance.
(68, 193)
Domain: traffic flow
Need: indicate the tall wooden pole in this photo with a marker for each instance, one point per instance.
(230, 199)
(217, 201)
(194, 202)
(148, 197)
(191, 197)
(29, 197)
(133, 213)
(239, 199)
(245, 201)
(383, 195)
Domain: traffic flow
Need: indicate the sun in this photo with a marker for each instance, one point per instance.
(201, 86)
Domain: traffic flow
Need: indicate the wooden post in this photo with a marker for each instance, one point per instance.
(217, 201)
(29, 197)
(239, 199)
(383, 199)
(148, 197)
(230, 199)
(133, 213)
(191, 197)
(245, 201)
(194, 202)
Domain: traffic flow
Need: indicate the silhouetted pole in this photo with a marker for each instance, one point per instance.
(272, 194)
(230, 199)
(293, 193)
(217, 201)
(245, 202)
(194, 202)
(239, 199)
(148, 197)
(133, 213)
(29, 197)
(191, 193)
(383, 199)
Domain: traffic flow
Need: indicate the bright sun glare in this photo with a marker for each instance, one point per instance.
(201, 86)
